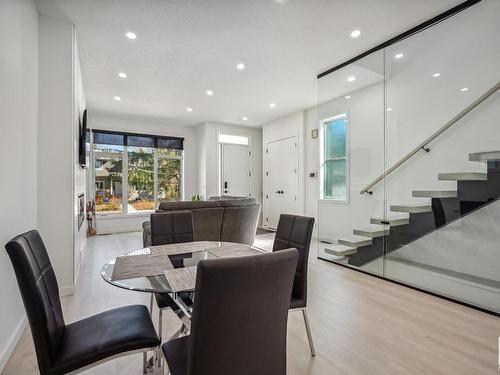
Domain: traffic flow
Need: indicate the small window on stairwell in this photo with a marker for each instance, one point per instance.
(334, 163)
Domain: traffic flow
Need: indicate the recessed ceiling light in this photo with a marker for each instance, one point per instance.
(272, 105)
(244, 118)
(122, 75)
(398, 56)
(131, 35)
(189, 109)
(464, 89)
(389, 109)
(117, 98)
(351, 78)
(435, 75)
(355, 33)
(240, 66)
(210, 92)
(347, 97)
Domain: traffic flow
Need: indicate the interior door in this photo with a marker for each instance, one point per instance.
(235, 176)
(282, 179)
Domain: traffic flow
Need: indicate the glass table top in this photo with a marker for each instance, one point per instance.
(179, 256)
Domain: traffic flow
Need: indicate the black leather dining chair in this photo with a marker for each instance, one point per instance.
(296, 232)
(169, 228)
(239, 321)
(61, 347)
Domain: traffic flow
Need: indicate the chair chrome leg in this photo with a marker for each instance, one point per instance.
(309, 335)
(151, 305)
(160, 327)
(145, 362)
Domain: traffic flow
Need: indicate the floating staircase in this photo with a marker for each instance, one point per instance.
(408, 222)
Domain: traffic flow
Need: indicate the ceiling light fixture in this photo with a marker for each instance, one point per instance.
(355, 33)
(435, 75)
(117, 98)
(244, 118)
(464, 89)
(351, 79)
(122, 75)
(272, 105)
(131, 35)
(398, 56)
(347, 97)
(210, 92)
(189, 109)
(240, 66)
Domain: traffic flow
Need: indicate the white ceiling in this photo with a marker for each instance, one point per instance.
(185, 47)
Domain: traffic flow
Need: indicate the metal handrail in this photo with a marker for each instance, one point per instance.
(422, 146)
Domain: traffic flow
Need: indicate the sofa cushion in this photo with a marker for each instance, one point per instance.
(248, 201)
(207, 224)
(187, 205)
(240, 223)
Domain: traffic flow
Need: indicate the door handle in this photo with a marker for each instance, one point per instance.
(225, 184)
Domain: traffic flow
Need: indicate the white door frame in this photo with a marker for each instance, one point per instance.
(220, 165)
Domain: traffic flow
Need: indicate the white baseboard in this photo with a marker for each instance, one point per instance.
(11, 343)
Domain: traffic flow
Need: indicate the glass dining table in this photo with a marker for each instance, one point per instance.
(170, 269)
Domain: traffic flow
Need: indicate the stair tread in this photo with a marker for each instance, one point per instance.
(411, 208)
(355, 240)
(434, 193)
(371, 231)
(485, 156)
(340, 250)
(463, 176)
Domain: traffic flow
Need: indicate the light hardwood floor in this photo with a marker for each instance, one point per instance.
(360, 324)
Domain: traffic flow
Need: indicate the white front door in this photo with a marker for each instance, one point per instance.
(281, 179)
(235, 176)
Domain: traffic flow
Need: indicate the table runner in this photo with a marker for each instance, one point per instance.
(183, 248)
(181, 279)
(128, 267)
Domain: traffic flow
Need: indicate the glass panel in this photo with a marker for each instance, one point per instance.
(336, 137)
(351, 154)
(108, 161)
(169, 179)
(140, 141)
(447, 238)
(109, 139)
(171, 143)
(165, 152)
(233, 139)
(335, 179)
(140, 179)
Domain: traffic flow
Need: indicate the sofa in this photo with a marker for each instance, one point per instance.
(231, 219)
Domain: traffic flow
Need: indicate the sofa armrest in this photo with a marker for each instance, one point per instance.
(146, 234)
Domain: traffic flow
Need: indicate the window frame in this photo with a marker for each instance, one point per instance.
(156, 157)
(322, 162)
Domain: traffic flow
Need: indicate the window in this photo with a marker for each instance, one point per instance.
(334, 163)
(147, 168)
(169, 175)
(108, 178)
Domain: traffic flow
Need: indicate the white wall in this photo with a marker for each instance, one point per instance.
(18, 151)
(210, 155)
(80, 178)
(292, 125)
(131, 222)
(56, 153)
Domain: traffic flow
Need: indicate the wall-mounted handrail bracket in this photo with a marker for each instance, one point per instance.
(426, 149)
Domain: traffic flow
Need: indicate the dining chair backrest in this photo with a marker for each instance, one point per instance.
(240, 312)
(171, 227)
(295, 232)
(40, 293)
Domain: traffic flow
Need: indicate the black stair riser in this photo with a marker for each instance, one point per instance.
(471, 195)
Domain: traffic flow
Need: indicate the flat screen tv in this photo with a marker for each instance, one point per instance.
(82, 145)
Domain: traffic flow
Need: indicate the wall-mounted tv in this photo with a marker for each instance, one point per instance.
(83, 140)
